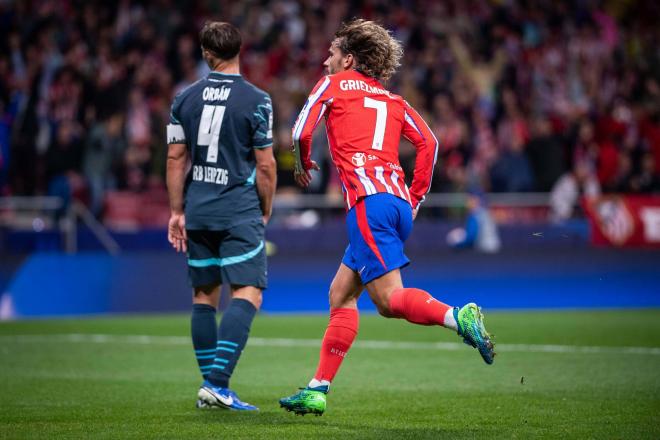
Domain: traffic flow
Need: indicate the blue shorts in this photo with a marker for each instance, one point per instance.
(378, 225)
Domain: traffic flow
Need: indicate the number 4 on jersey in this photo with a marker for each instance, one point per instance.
(209, 130)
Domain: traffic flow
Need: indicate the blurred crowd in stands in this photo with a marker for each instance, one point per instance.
(523, 95)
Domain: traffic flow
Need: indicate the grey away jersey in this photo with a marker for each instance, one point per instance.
(221, 119)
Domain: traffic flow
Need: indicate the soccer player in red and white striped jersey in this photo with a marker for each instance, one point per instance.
(365, 123)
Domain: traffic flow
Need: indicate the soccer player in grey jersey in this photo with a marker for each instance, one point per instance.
(221, 181)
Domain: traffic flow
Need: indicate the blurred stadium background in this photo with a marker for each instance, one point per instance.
(548, 111)
(551, 109)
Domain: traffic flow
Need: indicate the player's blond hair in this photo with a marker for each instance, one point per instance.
(377, 53)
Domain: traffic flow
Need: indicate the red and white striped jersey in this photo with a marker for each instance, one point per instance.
(364, 124)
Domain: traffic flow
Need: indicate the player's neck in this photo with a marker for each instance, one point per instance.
(230, 67)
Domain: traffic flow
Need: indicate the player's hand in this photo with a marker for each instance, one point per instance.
(176, 232)
(304, 178)
(266, 219)
(414, 212)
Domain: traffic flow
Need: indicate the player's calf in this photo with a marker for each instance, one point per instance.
(419, 307)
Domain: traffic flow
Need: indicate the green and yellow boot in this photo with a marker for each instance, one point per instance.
(470, 323)
(307, 400)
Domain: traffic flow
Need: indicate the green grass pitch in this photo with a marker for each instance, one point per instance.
(54, 384)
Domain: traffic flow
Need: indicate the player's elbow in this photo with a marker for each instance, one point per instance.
(302, 138)
(267, 165)
(428, 147)
(176, 165)
(173, 161)
(177, 156)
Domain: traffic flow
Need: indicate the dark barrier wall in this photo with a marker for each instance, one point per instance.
(328, 238)
(87, 283)
(59, 284)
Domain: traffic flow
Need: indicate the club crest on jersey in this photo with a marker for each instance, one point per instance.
(359, 159)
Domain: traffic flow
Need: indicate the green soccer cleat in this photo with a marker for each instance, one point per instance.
(470, 322)
(307, 400)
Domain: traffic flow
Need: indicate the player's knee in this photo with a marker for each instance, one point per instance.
(333, 298)
(386, 312)
(337, 299)
(257, 299)
(382, 301)
(251, 294)
(208, 294)
(383, 308)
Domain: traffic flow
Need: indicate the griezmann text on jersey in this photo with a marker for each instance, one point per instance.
(365, 123)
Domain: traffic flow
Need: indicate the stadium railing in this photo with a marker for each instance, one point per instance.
(37, 214)
(49, 212)
(437, 200)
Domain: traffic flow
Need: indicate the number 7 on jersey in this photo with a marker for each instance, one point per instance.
(381, 119)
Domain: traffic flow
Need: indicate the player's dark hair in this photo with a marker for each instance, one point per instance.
(223, 40)
(377, 53)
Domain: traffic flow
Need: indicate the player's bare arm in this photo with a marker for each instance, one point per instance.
(266, 179)
(177, 164)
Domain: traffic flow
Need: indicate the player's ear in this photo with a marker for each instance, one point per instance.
(349, 61)
(207, 57)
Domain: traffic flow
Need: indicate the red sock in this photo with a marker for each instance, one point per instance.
(417, 306)
(339, 336)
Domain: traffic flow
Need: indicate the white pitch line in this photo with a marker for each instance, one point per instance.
(287, 342)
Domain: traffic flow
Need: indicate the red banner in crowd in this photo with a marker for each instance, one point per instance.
(619, 220)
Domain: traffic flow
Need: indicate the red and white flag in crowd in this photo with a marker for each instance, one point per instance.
(624, 220)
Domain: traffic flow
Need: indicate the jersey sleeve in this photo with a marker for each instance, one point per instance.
(175, 132)
(262, 123)
(309, 117)
(426, 145)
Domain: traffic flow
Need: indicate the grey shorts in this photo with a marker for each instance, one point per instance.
(235, 256)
